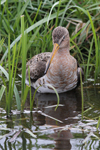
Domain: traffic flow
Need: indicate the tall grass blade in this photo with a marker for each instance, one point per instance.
(32, 101)
(51, 12)
(12, 73)
(58, 99)
(3, 79)
(24, 52)
(20, 13)
(89, 58)
(96, 45)
(5, 26)
(82, 95)
(52, 9)
(30, 29)
(78, 50)
(33, 37)
(67, 7)
(81, 8)
(78, 33)
(37, 12)
(3, 1)
(98, 54)
(58, 13)
(15, 89)
(98, 124)
(2, 90)
(25, 96)
(30, 89)
(8, 101)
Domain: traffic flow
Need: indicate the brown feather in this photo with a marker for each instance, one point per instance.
(37, 65)
(63, 72)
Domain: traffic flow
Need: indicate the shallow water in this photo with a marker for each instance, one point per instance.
(47, 129)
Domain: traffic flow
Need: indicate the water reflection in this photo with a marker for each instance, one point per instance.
(92, 101)
(69, 108)
(43, 122)
(62, 139)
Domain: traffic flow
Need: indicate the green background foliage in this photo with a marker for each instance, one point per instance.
(33, 35)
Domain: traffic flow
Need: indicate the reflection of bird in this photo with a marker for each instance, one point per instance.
(58, 68)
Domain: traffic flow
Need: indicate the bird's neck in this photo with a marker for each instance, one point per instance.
(64, 50)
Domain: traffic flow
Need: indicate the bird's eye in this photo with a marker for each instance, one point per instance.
(63, 38)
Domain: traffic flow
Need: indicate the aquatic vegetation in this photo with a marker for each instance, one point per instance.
(21, 39)
(26, 30)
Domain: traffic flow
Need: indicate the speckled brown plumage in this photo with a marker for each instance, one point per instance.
(37, 65)
(58, 69)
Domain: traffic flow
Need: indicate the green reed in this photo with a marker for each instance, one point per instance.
(98, 124)
(98, 54)
(96, 46)
(31, 102)
(12, 67)
(82, 94)
(24, 88)
(35, 36)
(24, 52)
(89, 59)
(12, 74)
(2, 90)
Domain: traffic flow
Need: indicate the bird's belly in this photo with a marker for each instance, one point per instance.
(61, 79)
(46, 85)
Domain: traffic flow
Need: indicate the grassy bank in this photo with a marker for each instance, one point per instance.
(82, 19)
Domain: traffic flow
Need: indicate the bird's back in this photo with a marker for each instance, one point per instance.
(37, 65)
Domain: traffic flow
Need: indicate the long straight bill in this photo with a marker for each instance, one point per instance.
(55, 49)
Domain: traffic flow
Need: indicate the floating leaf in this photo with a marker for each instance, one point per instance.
(15, 136)
(29, 132)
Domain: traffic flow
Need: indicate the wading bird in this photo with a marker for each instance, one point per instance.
(57, 68)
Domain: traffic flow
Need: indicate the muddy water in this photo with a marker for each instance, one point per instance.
(47, 129)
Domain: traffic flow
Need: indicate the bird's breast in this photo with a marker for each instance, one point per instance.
(62, 71)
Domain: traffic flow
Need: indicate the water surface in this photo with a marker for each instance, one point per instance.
(47, 129)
